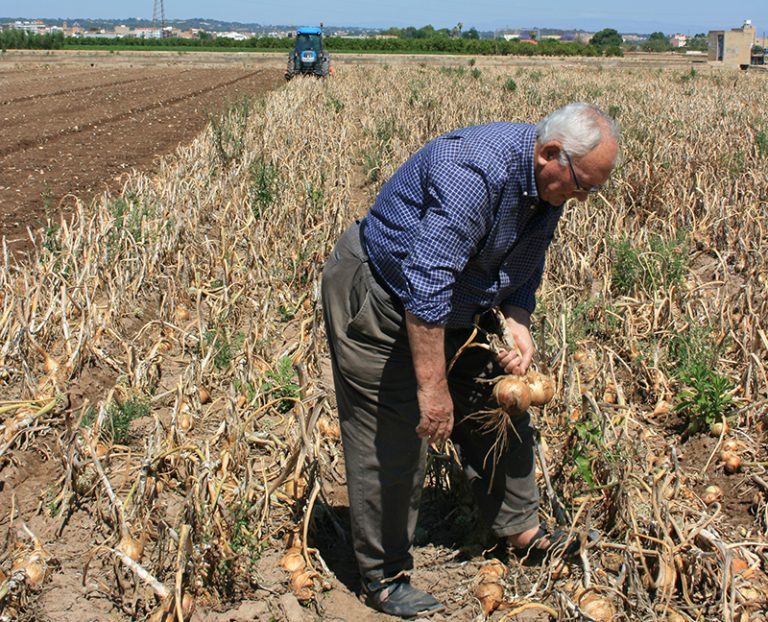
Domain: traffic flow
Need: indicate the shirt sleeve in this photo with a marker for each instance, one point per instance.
(525, 295)
(457, 217)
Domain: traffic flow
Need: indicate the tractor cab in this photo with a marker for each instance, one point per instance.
(308, 56)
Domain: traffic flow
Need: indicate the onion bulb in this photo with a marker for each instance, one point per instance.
(50, 364)
(293, 560)
(132, 547)
(182, 314)
(731, 445)
(712, 494)
(512, 394)
(731, 462)
(739, 565)
(204, 395)
(301, 584)
(328, 428)
(187, 605)
(493, 570)
(597, 608)
(542, 388)
(102, 451)
(662, 408)
(719, 428)
(490, 595)
(35, 569)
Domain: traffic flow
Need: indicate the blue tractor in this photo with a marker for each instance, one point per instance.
(308, 56)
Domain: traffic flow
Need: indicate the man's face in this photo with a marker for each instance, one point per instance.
(556, 182)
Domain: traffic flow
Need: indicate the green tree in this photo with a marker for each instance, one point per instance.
(657, 42)
(470, 34)
(698, 42)
(606, 37)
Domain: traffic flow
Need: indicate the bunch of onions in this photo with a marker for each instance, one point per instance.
(488, 589)
(516, 393)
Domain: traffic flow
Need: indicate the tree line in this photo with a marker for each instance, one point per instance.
(15, 39)
(607, 42)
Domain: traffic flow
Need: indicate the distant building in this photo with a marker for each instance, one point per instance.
(678, 41)
(36, 27)
(732, 47)
(235, 36)
(147, 33)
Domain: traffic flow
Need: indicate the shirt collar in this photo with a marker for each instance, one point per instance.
(529, 189)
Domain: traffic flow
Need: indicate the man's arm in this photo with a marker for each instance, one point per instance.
(519, 325)
(427, 342)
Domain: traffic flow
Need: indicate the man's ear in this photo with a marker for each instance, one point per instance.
(548, 151)
(551, 150)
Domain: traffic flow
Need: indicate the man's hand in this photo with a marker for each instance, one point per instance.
(518, 324)
(436, 409)
(427, 342)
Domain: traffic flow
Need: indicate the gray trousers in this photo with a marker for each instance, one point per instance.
(375, 388)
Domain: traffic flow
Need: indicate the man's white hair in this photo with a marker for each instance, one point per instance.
(579, 127)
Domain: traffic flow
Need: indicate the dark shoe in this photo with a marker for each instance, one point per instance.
(559, 545)
(397, 597)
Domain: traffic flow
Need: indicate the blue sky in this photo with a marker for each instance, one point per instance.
(686, 16)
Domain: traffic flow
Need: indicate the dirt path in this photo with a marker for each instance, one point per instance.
(72, 129)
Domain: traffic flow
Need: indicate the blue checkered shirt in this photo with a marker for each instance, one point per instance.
(459, 227)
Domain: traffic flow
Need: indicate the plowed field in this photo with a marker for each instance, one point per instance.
(72, 125)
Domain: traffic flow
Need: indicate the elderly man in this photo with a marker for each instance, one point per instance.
(461, 227)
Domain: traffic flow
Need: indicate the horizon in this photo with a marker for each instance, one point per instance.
(684, 17)
(689, 31)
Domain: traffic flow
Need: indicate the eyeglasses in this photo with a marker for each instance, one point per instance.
(579, 187)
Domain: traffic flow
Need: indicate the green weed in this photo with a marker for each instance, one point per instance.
(335, 103)
(761, 140)
(510, 85)
(373, 157)
(453, 71)
(129, 213)
(591, 318)
(120, 416)
(282, 383)
(228, 132)
(595, 462)
(706, 398)
(663, 265)
(691, 75)
(224, 346)
(263, 186)
(693, 349)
